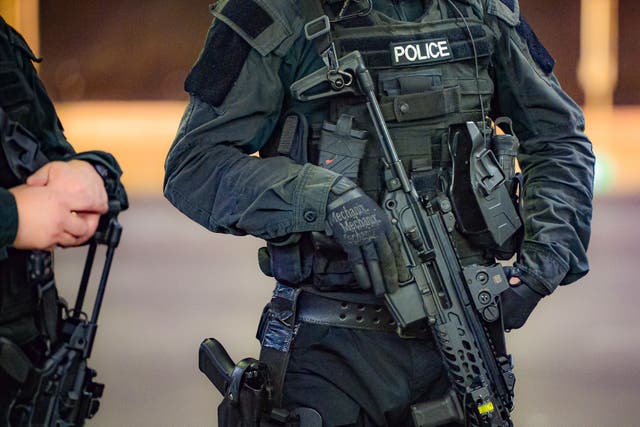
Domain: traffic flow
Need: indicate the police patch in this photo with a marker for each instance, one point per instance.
(420, 52)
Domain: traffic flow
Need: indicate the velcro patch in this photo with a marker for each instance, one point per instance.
(511, 4)
(248, 15)
(509, 11)
(538, 52)
(264, 24)
(420, 52)
(217, 69)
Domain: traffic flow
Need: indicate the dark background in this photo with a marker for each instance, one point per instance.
(143, 50)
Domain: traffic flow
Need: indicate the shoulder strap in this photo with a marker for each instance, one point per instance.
(317, 25)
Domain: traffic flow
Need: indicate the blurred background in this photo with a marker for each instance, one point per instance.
(115, 71)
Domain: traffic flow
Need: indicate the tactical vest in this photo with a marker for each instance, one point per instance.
(427, 81)
(431, 75)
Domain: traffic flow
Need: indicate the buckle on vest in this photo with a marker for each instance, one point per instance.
(317, 27)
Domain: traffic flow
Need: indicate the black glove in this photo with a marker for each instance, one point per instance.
(365, 233)
(518, 301)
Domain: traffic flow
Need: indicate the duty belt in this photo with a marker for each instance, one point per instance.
(320, 310)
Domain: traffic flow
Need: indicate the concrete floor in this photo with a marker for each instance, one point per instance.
(173, 284)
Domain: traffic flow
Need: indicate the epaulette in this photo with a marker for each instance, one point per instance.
(265, 24)
(509, 12)
(241, 26)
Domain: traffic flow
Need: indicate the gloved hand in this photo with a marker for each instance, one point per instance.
(365, 233)
(518, 301)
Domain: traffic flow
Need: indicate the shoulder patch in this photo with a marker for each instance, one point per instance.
(263, 24)
(509, 12)
(248, 16)
(218, 66)
(538, 52)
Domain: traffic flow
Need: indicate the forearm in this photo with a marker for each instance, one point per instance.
(228, 191)
(557, 164)
(557, 209)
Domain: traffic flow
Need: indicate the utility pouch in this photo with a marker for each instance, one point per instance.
(290, 263)
(505, 148)
(481, 202)
(341, 147)
(331, 270)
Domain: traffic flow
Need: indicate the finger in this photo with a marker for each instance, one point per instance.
(100, 202)
(388, 264)
(372, 262)
(403, 271)
(40, 177)
(75, 225)
(92, 221)
(67, 239)
(362, 276)
(358, 268)
(77, 202)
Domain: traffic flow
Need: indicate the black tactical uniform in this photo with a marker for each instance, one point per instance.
(28, 301)
(436, 64)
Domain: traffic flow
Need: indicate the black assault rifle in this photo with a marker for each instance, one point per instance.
(460, 303)
(61, 393)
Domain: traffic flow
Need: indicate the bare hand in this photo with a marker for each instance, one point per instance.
(79, 180)
(46, 218)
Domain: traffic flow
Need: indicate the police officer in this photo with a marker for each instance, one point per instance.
(49, 196)
(436, 64)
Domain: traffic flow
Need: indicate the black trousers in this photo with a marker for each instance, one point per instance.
(362, 378)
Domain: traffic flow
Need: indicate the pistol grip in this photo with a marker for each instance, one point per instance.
(216, 364)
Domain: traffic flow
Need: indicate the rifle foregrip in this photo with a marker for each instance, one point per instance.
(216, 364)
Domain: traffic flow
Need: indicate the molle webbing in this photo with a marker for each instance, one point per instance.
(417, 106)
(430, 74)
